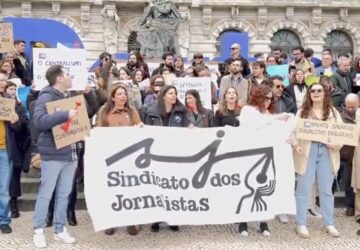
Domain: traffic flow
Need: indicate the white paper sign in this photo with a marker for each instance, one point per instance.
(201, 84)
(73, 60)
(224, 175)
(144, 84)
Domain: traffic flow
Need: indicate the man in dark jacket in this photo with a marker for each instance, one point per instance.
(57, 165)
(342, 82)
(236, 54)
(21, 63)
(347, 153)
(167, 64)
(283, 102)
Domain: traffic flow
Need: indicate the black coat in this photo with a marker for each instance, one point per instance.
(178, 117)
(19, 140)
(220, 120)
(290, 97)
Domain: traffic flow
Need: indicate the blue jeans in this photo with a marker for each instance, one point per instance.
(319, 166)
(59, 174)
(5, 175)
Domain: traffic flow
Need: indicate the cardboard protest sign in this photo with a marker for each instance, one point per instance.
(327, 132)
(7, 106)
(6, 37)
(73, 130)
(225, 175)
(280, 70)
(201, 84)
(73, 61)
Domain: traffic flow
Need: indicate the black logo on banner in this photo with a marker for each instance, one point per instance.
(259, 184)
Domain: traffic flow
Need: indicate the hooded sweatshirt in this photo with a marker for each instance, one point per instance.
(44, 122)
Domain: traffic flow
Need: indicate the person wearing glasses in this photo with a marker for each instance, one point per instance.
(235, 51)
(283, 103)
(198, 61)
(300, 62)
(316, 160)
(156, 84)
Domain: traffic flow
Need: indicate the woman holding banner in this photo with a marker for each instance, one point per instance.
(198, 116)
(168, 111)
(228, 112)
(315, 160)
(116, 113)
(260, 112)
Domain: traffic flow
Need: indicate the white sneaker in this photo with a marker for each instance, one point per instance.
(39, 238)
(332, 231)
(64, 237)
(302, 231)
(283, 218)
(314, 213)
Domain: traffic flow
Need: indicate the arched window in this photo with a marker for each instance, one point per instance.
(339, 42)
(133, 43)
(286, 40)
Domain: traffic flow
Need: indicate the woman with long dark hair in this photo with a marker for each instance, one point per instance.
(179, 67)
(133, 88)
(156, 83)
(198, 116)
(315, 160)
(228, 112)
(168, 111)
(297, 88)
(116, 113)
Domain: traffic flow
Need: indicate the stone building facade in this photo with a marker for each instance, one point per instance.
(269, 23)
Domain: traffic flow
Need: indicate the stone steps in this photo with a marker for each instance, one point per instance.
(30, 183)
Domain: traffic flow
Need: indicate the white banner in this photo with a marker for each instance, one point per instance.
(201, 84)
(219, 176)
(73, 60)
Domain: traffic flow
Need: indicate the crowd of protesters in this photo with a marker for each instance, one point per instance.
(243, 95)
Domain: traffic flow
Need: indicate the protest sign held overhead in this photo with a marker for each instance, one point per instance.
(7, 107)
(280, 70)
(327, 132)
(73, 61)
(225, 175)
(75, 129)
(201, 84)
(6, 37)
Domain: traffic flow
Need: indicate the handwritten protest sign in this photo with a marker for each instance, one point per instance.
(6, 37)
(225, 175)
(73, 130)
(280, 70)
(327, 132)
(201, 84)
(7, 106)
(73, 61)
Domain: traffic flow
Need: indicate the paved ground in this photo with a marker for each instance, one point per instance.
(191, 237)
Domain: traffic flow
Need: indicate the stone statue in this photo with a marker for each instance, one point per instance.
(157, 29)
(111, 24)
